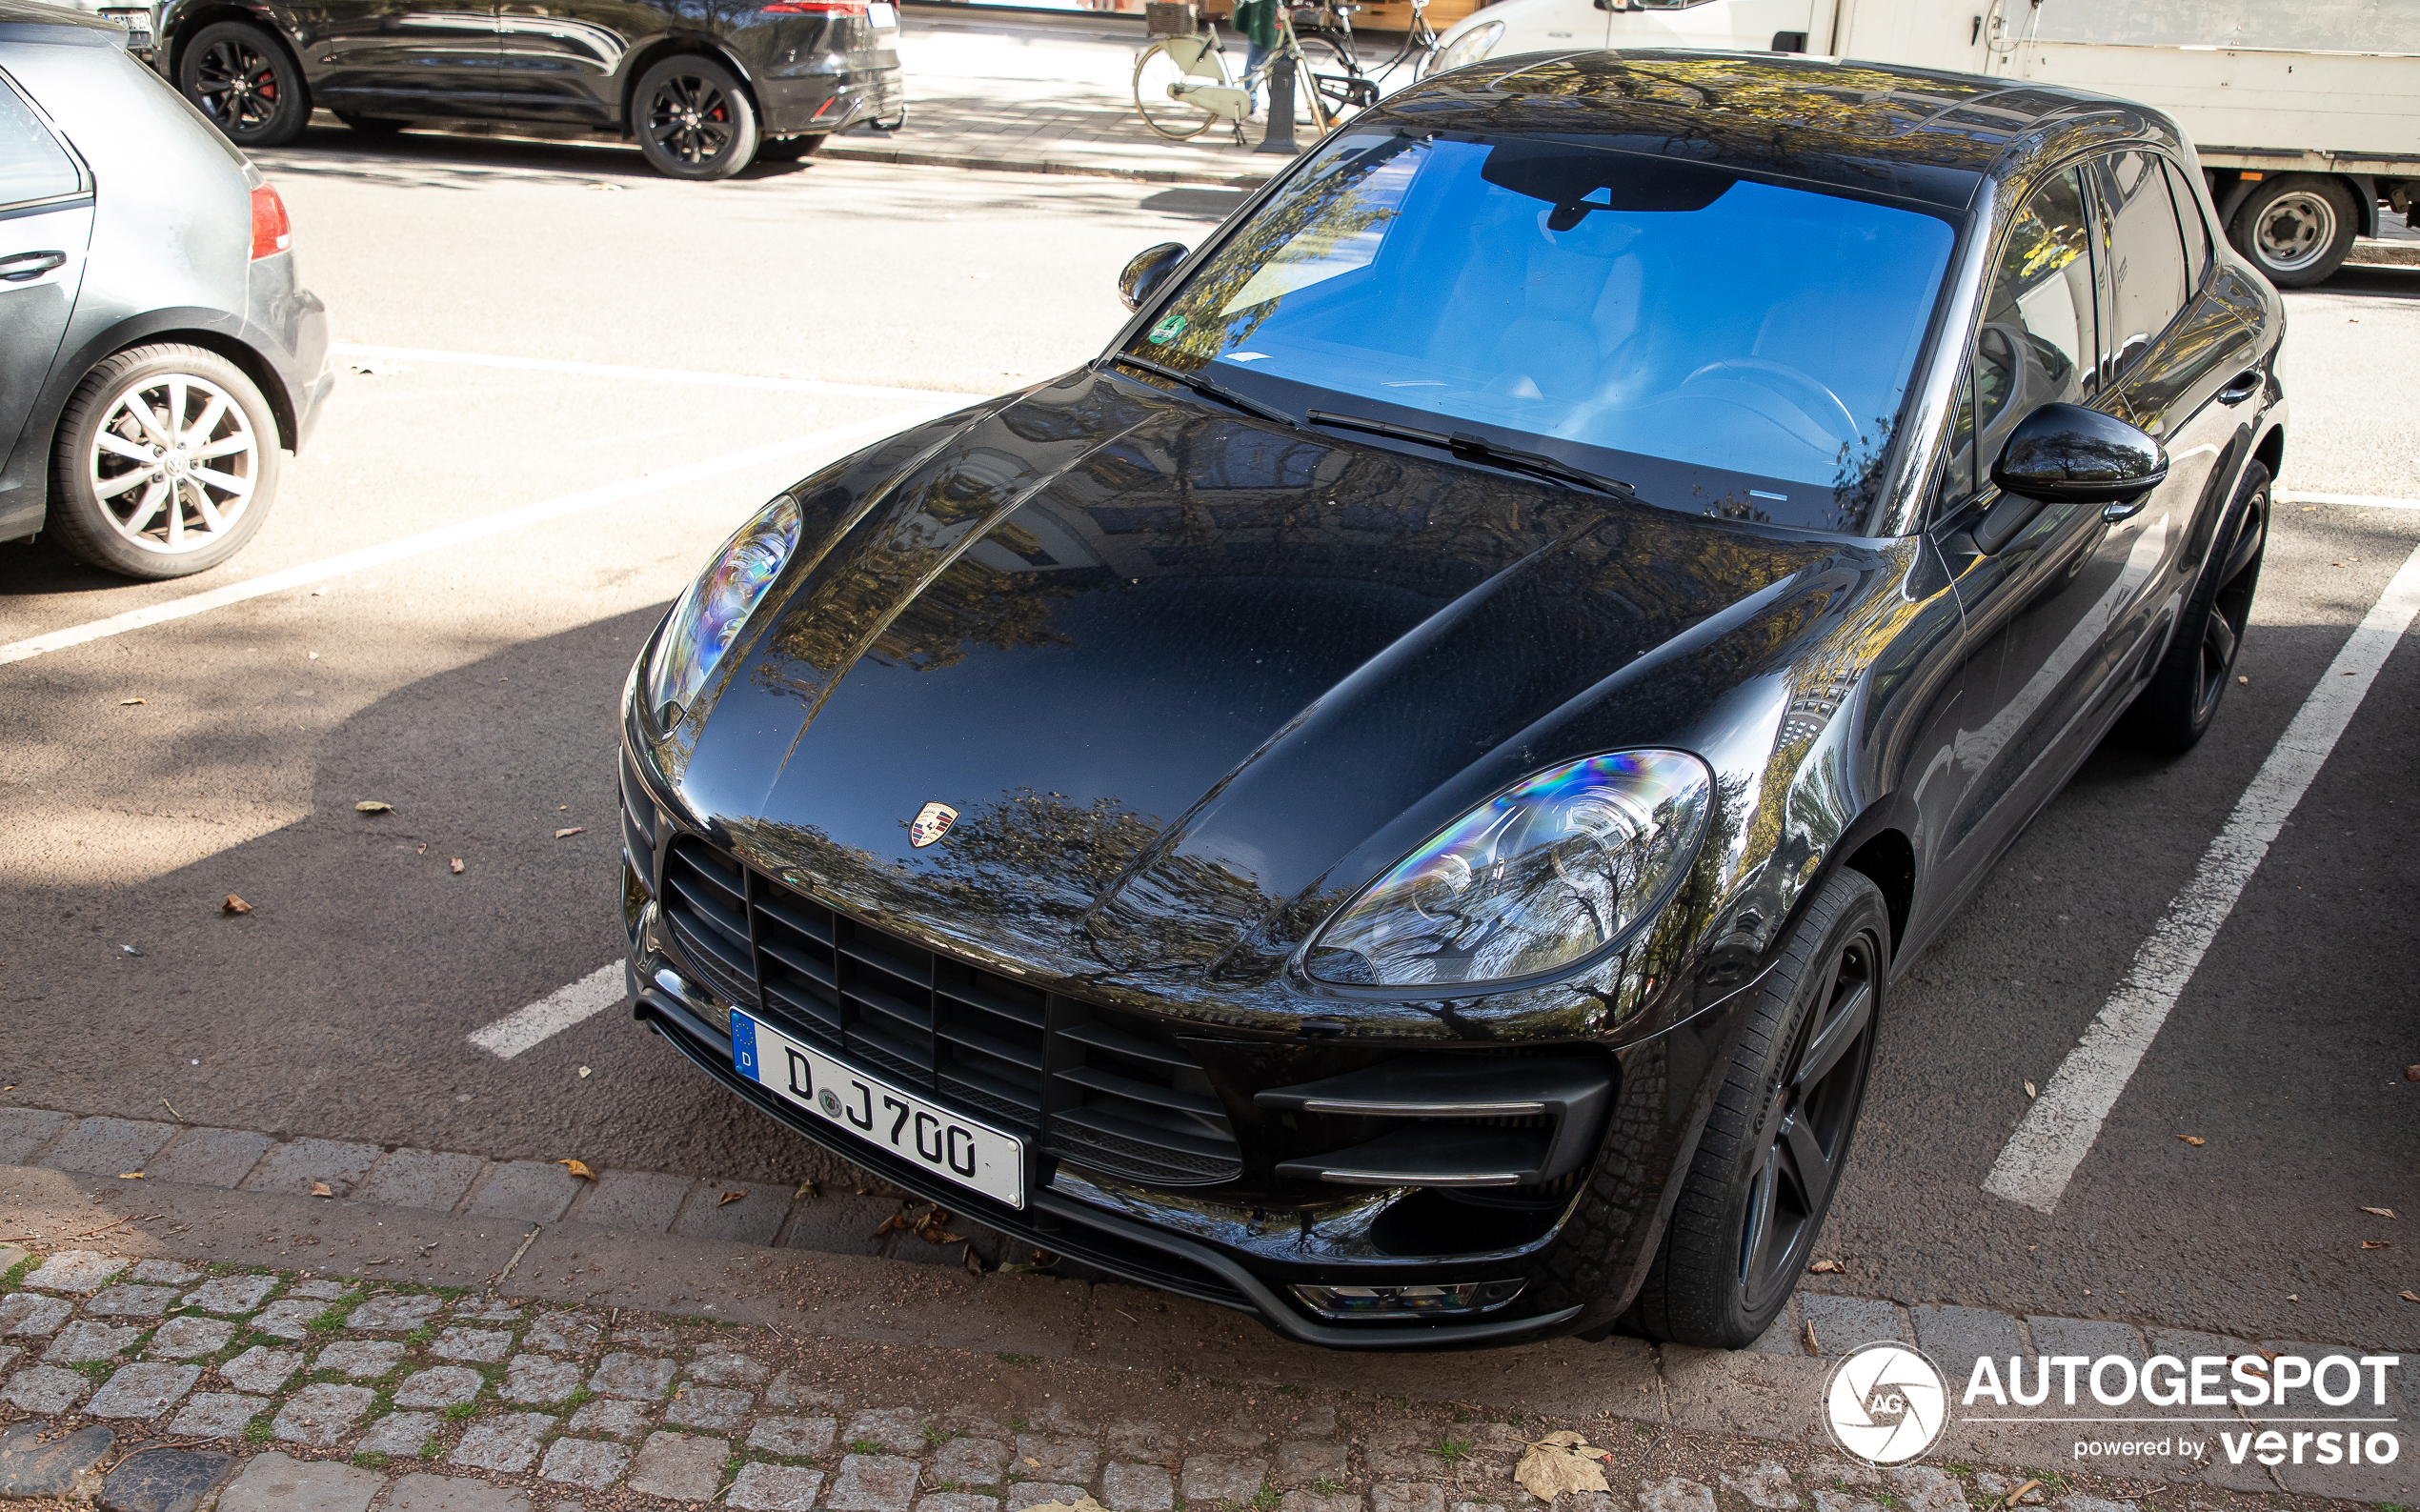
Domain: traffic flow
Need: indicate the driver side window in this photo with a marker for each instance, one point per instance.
(2036, 338)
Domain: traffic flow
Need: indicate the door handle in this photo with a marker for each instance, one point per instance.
(18, 267)
(2246, 384)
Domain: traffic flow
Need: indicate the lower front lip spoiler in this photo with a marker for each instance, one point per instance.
(692, 1036)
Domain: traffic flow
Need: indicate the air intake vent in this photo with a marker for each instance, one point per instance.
(1135, 1107)
(1124, 1100)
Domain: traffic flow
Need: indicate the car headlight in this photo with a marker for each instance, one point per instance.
(709, 616)
(1470, 46)
(1545, 874)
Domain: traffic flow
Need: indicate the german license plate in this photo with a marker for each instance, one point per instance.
(952, 1147)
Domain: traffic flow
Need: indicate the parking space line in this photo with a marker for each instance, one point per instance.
(2060, 1129)
(2366, 501)
(609, 370)
(455, 534)
(551, 1015)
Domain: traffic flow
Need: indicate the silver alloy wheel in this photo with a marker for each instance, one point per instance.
(174, 462)
(2296, 230)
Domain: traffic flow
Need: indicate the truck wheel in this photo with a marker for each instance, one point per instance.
(2296, 228)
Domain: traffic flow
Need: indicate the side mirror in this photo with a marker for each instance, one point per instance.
(2064, 454)
(1145, 273)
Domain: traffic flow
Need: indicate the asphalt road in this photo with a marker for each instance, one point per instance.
(474, 688)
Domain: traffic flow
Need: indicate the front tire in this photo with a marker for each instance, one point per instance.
(693, 120)
(2296, 228)
(1753, 1201)
(247, 83)
(164, 465)
(2173, 713)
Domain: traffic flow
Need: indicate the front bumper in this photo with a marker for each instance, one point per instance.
(1067, 1226)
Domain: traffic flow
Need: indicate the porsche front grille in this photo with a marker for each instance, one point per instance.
(1102, 1089)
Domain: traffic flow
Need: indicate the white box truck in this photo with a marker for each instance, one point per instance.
(2305, 115)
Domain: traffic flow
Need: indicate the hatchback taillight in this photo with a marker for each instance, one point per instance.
(816, 8)
(271, 231)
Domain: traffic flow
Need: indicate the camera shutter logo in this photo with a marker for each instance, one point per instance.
(1887, 1403)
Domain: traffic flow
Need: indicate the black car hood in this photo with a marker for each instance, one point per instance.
(1187, 676)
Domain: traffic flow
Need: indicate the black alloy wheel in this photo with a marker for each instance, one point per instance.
(2178, 707)
(1753, 1199)
(248, 86)
(693, 119)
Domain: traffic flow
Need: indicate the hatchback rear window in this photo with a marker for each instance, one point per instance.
(32, 164)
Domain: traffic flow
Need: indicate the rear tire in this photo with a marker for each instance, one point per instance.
(1156, 68)
(1753, 1201)
(246, 82)
(692, 120)
(2178, 708)
(2296, 228)
(165, 463)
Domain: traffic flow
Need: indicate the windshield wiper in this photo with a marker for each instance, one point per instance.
(1209, 390)
(1479, 449)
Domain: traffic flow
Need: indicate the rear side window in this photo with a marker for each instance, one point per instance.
(2145, 253)
(33, 164)
(2197, 230)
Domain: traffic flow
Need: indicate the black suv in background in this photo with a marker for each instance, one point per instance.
(705, 86)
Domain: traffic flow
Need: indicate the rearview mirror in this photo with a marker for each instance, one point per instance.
(2064, 454)
(1145, 273)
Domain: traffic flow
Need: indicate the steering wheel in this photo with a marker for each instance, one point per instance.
(1827, 413)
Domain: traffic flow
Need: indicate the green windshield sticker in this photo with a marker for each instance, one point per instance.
(1167, 331)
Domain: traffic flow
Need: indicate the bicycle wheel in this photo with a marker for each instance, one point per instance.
(1163, 66)
(1324, 85)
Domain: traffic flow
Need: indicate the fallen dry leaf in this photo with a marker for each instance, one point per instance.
(320, 1189)
(137, 1176)
(933, 1228)
(579, 1169)
(2193, 1138)
(2411, 1296)
(1036, 1463)
(565, 835)
(584, 1073)
(372, 806)
(454, 866)
(1828, 1268)
(2029, 1092)
(1561, 1462)
(729, 1198)
(2412, 1073)
(234, 905)
(2011, 1499)
(129, 703)
(892, 1224)
(2375, 1243)
(973, 1262)
(2380, 1212)
(805, 1189)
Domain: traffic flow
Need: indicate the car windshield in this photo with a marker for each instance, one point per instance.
(1723, 344)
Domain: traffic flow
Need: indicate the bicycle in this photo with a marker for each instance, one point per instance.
(1182, 87)
(1358, 87)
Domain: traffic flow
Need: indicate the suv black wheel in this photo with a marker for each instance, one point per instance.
(2176, 710)
(246, 84)
(693, 120)
(1753, 1201)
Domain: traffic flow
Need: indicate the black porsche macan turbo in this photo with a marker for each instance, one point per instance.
(1392, 799)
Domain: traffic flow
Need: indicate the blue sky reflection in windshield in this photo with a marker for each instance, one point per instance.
(1727, 345)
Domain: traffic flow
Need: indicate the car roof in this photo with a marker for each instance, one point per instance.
(1926, 134)
(31, 21)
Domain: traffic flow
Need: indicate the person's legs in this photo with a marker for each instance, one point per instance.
(1254, 55)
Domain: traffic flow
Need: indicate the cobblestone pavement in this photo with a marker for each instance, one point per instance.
(159, 1386)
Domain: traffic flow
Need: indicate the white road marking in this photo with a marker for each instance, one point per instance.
(2059, 1130)
(609, 369)
(2366, 501)
(553, 1014)
(455, 534)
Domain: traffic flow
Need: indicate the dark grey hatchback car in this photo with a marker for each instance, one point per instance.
(705, 86)
(156, 353)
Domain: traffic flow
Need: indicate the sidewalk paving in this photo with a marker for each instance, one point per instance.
(341, 1348)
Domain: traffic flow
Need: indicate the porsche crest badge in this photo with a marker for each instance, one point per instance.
(932, 822)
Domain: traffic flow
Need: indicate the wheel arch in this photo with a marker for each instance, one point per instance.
(2270, 450)
(197, 327)
(1886, 858)
(691, 44)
